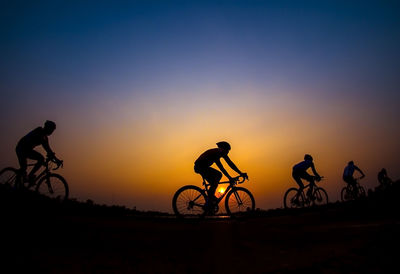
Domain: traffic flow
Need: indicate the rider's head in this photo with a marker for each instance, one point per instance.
(224, 145)
(49, 127)
(351, 163)
(308, 157)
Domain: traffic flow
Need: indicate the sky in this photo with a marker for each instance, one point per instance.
(139, 89)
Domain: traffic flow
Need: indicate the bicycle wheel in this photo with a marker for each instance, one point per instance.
(320, 196)
(189, 201)
(8, 177)
(53, 186)
(346, 194)
(290, 201)
(239, 200)
(361, 192)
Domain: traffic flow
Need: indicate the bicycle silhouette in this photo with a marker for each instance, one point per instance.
(348, 193)
(192, 200)
(294, 198)
(46, 183)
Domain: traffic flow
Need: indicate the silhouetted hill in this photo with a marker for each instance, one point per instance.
(28, 202)
(46, 236)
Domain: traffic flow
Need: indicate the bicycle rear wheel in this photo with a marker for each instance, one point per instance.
(239, 200)
(345, 194)
(8, 177)
(320, 196)
(53, 186)
(292, 200)
(189, 201)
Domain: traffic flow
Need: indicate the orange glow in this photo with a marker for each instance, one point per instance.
(144, 149)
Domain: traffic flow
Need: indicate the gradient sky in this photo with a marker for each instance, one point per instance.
(139, 89)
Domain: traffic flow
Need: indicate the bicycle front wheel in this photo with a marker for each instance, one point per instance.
(239, 200)
(53, 186)
(189, 201)
(320, 196)
(8, 177)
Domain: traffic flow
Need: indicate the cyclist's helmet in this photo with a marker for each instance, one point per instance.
(224, 145)
(50, 125)
(308, 157)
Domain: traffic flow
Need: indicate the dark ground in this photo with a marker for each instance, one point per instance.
(40, 236)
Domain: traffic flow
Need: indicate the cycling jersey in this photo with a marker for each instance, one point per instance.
(349, 170)
(303, 166)
(210, 157)
(34, 138)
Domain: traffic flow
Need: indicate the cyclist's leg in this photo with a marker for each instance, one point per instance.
(297, 177)
(22, 160)
(310, 179)
(213, 176)
(34, 155)
(353, 183)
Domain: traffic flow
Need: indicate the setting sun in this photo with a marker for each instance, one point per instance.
(138, 99)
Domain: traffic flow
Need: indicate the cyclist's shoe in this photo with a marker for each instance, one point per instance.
(209, 206)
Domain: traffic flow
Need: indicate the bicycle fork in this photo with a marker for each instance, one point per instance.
(238, 199)
(50, 188)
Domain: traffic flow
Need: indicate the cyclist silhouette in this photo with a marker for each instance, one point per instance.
(300, 172)
(348, 175)
(384, 179)
(25, 149)
(203, 167)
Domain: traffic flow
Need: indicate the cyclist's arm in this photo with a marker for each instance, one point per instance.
(359, 170)
(232, 165)
(223, 170)
(314, 171)
(50, 153)
(47, 148)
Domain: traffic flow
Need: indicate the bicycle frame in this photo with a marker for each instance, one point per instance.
(357, 184)
(304, 193)
(46, 172)
(227, 190)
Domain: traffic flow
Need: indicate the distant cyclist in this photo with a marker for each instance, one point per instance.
(25, 149)
(203, 167)
(300, 172)
(384, 179)
(348, 175)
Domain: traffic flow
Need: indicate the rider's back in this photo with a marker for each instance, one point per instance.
(303, 166)
(209, 157)
(34, 138)
(349, 171)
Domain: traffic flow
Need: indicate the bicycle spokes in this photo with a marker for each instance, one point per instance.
(49, 187)
(189, 201)
(238, 199)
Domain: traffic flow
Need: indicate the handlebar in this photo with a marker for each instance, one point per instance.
(59, 163)
(239, 179)
(318, 179)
